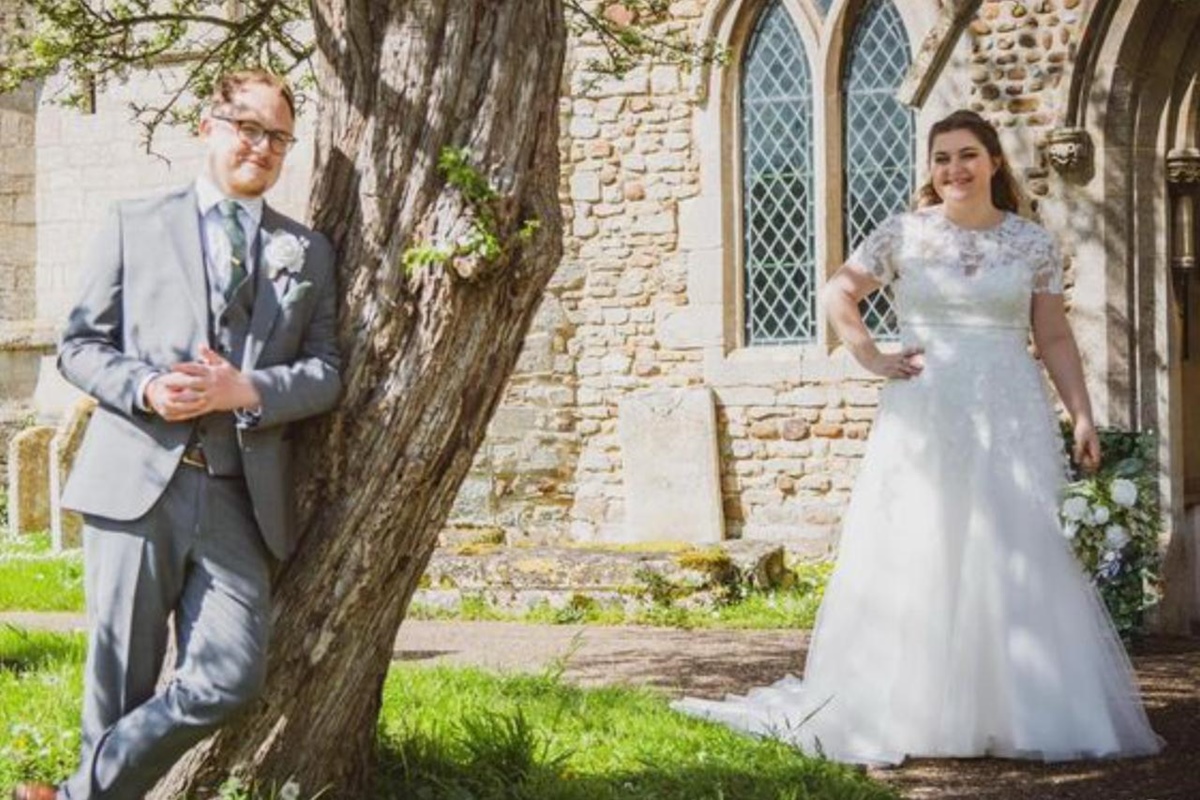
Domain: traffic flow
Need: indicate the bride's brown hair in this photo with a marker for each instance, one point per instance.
(1005, 194)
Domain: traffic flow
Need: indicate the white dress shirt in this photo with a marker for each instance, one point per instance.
(217, 248)
(214, 239)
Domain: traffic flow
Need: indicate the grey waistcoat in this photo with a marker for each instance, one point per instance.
(228, 327)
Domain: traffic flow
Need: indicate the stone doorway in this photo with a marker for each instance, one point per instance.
(1134, 93)
(1183, 193)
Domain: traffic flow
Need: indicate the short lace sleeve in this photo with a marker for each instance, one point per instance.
(876, 255)
(1047, 265)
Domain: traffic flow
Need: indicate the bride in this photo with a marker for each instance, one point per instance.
(957, 621)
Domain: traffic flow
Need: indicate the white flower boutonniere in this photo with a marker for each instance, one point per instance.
(284, 252)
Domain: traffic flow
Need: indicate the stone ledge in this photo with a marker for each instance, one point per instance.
(27, 335)
(522, 577)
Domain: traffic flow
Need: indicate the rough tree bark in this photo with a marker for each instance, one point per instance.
(426, 356)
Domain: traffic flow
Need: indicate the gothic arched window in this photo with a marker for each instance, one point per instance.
(878, 151)
(778, 213)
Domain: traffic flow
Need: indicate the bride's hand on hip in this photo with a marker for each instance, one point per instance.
(1087, 446)
(906, 364)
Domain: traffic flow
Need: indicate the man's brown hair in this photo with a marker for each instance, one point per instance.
(228, 85)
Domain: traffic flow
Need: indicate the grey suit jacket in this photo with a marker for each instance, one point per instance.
(144, 307)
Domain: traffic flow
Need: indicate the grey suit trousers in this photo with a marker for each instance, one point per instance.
(196, 553)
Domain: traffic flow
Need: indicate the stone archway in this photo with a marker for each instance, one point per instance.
(1183, 185)
(1135, 93)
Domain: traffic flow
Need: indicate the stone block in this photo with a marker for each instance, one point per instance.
(665, 162)
(705, 278)
(664, 79)
(510, 422)
(661, 222)
(807, 397)
(677, 141)
(473, 505)
(66, 527)
(585, 186)
(746, 396)
(690, 327)
(18, 373)
(537, 355)
(29, 480)
(671, 467)
(20, 247)
(584, 128)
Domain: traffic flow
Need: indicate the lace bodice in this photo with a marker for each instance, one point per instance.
(944, 274)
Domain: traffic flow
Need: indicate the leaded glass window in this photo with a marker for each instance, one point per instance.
(878, 139)
(779, 248)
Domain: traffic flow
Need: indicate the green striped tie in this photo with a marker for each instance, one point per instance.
(237, 245)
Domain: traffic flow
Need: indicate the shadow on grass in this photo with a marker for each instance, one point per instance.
(502, 757)
(23, 650)
(406, 773)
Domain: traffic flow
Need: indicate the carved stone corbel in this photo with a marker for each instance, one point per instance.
(1183, 184)
(1070, 153)
(1183, 168)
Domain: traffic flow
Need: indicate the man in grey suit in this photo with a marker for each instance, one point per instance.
(206, 326)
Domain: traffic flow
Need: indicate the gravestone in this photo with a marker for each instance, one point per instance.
(670, 466)
(29, 480)
(66, 526)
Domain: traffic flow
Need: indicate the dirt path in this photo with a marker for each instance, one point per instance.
(711, 663)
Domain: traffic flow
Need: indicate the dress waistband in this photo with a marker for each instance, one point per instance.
(980, 325)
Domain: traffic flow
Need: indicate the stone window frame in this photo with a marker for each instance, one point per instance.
(710, 223)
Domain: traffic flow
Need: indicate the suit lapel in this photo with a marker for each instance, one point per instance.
(268, 292)
(182, 219)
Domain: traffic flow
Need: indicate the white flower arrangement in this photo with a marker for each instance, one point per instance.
(1075, 508)
(1112, 521)
(284, 252)
(1124, 492)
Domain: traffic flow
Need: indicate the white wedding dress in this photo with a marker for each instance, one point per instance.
(957, 621)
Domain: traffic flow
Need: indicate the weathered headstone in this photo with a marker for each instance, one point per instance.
(29, 480)
(670, 466)
(67, 526)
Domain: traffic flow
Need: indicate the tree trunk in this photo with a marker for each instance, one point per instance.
(426, 355)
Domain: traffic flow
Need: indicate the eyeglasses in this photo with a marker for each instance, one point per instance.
(252, 134)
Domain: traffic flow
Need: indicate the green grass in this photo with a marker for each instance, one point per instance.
(27, 544)
(40, 679)
(32, 578)
(466, 734)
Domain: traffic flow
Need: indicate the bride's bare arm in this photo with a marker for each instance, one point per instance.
(842, 295)
(1056, 345)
